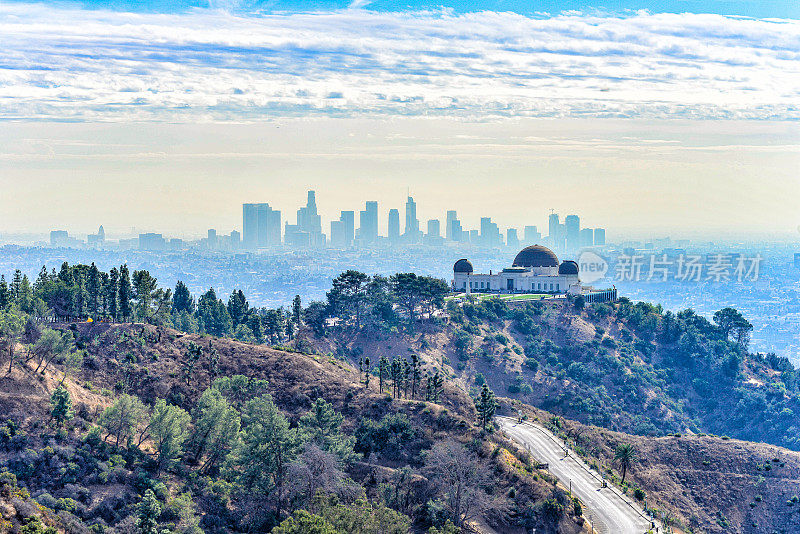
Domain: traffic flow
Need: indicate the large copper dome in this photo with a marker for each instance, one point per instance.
(462, 266)
(536, 256)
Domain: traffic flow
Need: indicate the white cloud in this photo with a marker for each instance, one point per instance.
(68, 64)
(358, 4)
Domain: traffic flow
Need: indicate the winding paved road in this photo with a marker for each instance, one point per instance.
(606, 508)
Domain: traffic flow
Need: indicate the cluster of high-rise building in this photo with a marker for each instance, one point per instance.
(262, 228)
(570, 236)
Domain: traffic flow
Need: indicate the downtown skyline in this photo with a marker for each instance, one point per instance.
(265, 227)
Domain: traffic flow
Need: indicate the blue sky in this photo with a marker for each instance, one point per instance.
(750, 8)
(63, 62)
(595, 110)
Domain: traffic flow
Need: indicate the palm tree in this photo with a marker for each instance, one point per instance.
(625, 457)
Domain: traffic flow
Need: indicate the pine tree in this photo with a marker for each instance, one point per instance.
(169, 428)
(238, 308)
(415, 374)
(61, 406)
(65, 274)
(406, 377)
(5, 297)
(102, 302)
(125, 292)
(16, 285)
(80, 298)
(216, 429)
(182, 300)
(289, 327)
(112, 303)
(395, 371)
(486, 405)
(41, 280)
(383, 365)
(149, 512)
(267, 448)
(297, 310)
(322, 424)
(434, 387)
(254, 323)
(93, 289)
(366, 375)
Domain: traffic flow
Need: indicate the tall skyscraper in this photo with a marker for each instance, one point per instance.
(261, 226)
(309, 221)
(599, 237)
(554, 231)
(394, 226)
(337, 234)
(433, 228)
(211, 240)
(512, 239)
(412, 223)
(553, 224)
(349, 228)
(587, 237)
(342, 231)
(572, 225)
(490, 233)
(455, 231)
(368, 223)
(448, 224)
(532, 235)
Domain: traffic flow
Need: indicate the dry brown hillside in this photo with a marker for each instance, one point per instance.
(154, 362)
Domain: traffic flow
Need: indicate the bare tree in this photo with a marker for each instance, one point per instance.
(317, 471)
(460, 479)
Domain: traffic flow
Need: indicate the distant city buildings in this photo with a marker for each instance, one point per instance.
(60, 238)
(368, 223)
(512, 240)
(96, 240)
(343, 230)
(394, 226)
(152, 242)
(599, 237)
(412, 233)
(532, 235)
(263, 228)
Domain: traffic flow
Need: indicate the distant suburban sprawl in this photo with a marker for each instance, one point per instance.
(273, 259)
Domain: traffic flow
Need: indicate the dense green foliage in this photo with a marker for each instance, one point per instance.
(81, 292)
(645, 371)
